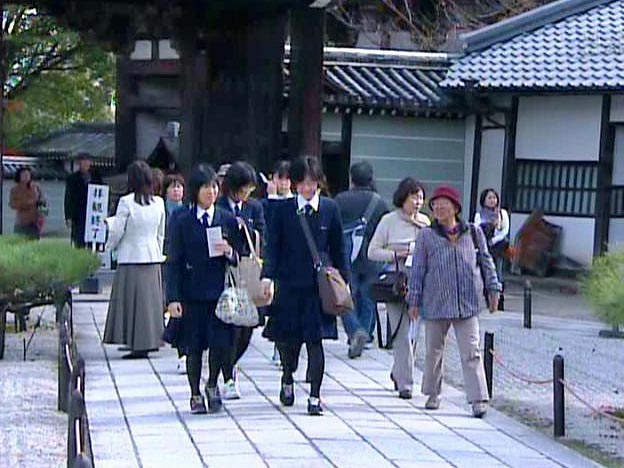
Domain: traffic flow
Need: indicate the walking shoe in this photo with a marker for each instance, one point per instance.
(314, 406)
(287, 394)
(214, 399)
(230, 392)
(405, 394)
(357, 344)
(181, 367)
(197, 405)
(433, 402)
(479, 408)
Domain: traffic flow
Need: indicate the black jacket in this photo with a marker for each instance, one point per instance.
(353, 204)
(76, 192)
(252, 213)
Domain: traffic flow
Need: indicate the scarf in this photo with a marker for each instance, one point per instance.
(489, 215)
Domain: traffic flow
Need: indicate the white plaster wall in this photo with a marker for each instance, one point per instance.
(492, 153)
(617, 108)
(563, 128)
(148, 131)
(577, 239)
(331, 127)
(616, 226)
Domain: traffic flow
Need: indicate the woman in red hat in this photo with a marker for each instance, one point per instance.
(446, 289)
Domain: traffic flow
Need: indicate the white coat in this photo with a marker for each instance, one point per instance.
(137, 232)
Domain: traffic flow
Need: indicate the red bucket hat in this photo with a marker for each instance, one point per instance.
(446, 191)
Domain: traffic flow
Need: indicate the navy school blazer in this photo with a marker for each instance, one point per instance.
(287, 257)
(252, 212)
(192, 275)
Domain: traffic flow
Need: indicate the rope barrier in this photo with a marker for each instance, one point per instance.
(593, 409)
(518, 375)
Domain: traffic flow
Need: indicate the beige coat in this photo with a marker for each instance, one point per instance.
(394, 233)
(24, 200)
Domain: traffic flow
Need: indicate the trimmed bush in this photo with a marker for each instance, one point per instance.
(603, 287)
(42, 268)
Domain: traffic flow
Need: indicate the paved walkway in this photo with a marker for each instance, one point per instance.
(139, 417)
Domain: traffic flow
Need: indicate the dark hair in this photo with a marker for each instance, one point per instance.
(203, 174)
(407, 187)
(306, 166)
(484, 195)
(282, 169)
(362, 175)
(18, 174)
(140, 182)
(158, 179)
(239, 175)
(171, 179)
(83, 155)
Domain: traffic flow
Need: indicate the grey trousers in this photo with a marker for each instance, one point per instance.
(402, 353)
(467, 335)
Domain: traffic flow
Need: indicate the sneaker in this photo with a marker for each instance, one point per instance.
(314, 407)
(433, 402)
(405, 394)
(230, 391)
(197, 405)
(357, 344)
(287, 394)
(181, 367)
(479, 408)
(214, 399)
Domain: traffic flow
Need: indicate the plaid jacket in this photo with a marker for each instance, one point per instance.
(445, 280)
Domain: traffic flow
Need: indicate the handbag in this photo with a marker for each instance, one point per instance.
(234, 305)
(390, 286)
(247, 273)
(333, 289)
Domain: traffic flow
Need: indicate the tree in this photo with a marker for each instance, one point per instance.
(431, 24)
(54, 76)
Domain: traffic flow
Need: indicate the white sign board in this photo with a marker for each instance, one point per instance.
(97, 211)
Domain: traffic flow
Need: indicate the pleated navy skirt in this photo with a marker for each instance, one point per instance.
(200, 328)
(296, 317)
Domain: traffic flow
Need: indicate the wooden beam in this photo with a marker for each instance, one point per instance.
(153, 102)
(476, 164)
(508, 183)
(306, 91)
(154, 68)
(605, 178)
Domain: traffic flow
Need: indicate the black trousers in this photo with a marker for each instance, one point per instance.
(316, 364)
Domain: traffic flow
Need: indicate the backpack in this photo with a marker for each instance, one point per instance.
(353, 232)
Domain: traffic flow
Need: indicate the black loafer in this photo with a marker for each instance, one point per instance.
(287, 394)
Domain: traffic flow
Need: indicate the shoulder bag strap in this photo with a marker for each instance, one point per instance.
(370, 208)
(316, 259)
(252, 249)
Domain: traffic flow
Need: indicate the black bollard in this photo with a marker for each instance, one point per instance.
(488, 360)
(558, 397)
(528, 304)
(63, 370)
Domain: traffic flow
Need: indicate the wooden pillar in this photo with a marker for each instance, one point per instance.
(306, 89)
(508, 185)
(605, 178)
(476, 164)
(3, 73)
(125, 118)
(193, 80)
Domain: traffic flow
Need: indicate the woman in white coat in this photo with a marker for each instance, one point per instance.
(137, 232)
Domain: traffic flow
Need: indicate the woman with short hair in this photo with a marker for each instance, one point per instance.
(446, 289)
(390, 244)
(137, 233)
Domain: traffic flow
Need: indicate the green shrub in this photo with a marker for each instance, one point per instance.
(603, 287)
(42, 268)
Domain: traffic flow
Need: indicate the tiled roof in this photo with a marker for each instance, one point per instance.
(384, 79)
(96, 139)
(566, 45)
(41, 168)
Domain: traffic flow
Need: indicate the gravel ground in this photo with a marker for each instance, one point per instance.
(32, 432)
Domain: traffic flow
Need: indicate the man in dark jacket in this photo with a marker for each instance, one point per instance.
(76, 193)
(358, 202)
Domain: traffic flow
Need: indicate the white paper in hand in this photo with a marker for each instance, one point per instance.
(214, 236)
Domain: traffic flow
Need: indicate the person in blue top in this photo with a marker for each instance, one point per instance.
(296, 316)
(195, 280)
(238, 184)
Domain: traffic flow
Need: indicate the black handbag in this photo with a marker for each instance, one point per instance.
(390, 286)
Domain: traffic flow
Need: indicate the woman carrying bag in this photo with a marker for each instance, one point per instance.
(395, 233)
(196, 275)
(296, 315)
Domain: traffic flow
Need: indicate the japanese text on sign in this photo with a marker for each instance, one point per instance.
(97, 210)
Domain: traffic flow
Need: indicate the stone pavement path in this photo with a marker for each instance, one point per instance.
(139, 417)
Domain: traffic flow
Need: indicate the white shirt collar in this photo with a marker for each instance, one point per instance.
(314, 203)
(275, 196)
(200, 212)
(233, 205)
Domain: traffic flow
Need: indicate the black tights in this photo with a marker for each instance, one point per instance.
(219, 361)
(242, 338)
(316, 364)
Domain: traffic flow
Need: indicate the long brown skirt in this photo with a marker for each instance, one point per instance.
(135, 310)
